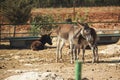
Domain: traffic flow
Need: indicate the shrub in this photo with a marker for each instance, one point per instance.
(41, 24)
(16, 11)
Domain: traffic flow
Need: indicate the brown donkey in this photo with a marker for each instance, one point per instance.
(86, 37)
(66, 32)
(40, 43)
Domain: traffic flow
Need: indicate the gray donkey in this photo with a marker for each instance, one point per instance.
(86, 37)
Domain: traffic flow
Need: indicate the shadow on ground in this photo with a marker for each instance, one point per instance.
(3, 46)
(103, 61)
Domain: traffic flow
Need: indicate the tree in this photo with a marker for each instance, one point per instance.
(16, 11)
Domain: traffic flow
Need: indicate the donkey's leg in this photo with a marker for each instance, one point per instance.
(71, 50)
(93, 51)
(61, 47)
(83, 51)
(58, 49)
(78, 52)
(96, 53)
(75, 52)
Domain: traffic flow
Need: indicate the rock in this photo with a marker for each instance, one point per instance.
(35, 76)
(16, 57)
(2, 67)
(111, 49)
(92, 69)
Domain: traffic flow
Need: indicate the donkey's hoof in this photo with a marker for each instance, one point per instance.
(93, 61)
(97, 61)
(56, 60)
(61, 60)
(72, 62)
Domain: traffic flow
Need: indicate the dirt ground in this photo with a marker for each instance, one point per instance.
(17, 61)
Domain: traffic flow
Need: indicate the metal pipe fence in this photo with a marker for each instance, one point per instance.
(3, 35)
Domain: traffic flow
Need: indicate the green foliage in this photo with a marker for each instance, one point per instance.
(16, 11)
(77, 3)
(34, 29)
(83, 18)
(41, 24)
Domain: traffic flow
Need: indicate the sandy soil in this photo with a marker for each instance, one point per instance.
(16, 61)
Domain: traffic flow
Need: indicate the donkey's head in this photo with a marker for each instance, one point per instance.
(46, 38)
(85, 31)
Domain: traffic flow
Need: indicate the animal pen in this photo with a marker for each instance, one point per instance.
(24, 39)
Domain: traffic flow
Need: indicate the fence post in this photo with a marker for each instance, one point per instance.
(78, 70)
(74, 13)
(14, 31)
(0, 34)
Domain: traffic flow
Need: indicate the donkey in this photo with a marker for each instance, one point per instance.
(65, 32)
(40, 43)
(86, 37)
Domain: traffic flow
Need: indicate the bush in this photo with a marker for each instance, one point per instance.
(41, 24)
(16, 11)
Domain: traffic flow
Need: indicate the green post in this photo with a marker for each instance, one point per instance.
(78, 70)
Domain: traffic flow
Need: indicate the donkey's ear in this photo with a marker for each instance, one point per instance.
(79, 23)
(86, 25)
(83, 24)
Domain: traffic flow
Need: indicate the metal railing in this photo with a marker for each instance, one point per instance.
(15, 25)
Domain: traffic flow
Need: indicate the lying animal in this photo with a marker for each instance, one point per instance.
(40, 43)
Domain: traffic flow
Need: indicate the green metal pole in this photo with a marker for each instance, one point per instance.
(78, 70)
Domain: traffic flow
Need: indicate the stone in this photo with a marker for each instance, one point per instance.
(35, 76)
